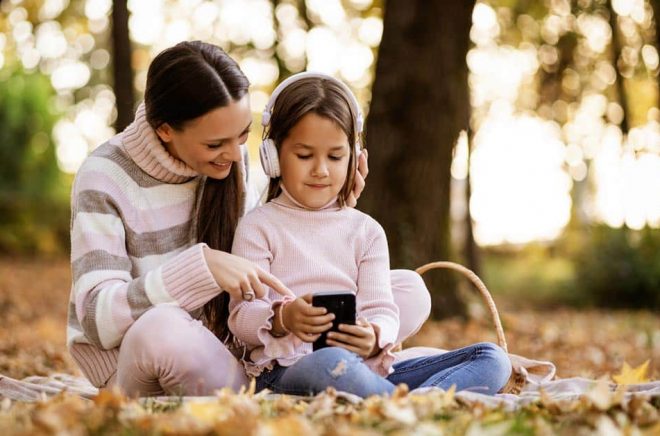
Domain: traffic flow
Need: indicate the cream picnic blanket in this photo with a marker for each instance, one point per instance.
(540, 380)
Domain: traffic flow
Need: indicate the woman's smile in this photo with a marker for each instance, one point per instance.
(222, 165)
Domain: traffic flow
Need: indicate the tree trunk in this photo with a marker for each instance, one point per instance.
(122, 69)
(655, 4)
(620, 84)
(420, 104)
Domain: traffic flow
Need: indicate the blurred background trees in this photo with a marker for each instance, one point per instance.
(33, 195)
(548, 108)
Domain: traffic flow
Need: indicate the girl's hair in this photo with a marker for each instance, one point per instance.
(323, 97)
(185, 82)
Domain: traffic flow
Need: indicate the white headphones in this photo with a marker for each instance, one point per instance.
(267, 149)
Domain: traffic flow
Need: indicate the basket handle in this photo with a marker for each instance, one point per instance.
(482, 289)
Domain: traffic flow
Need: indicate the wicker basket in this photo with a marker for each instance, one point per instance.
(517, 380)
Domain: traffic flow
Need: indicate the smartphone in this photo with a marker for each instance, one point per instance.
(342, 304)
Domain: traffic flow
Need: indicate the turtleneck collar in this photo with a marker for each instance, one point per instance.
(144, 147)
(286, 199)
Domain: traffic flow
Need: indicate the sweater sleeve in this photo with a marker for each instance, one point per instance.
(374, 296)
(251, 321)
(107, 297)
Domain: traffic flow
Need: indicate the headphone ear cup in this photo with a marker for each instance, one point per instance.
(268, 157)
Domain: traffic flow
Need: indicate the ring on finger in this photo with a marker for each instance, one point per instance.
(248, 295)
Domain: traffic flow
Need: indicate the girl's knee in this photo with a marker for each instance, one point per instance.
(494, 352)
(498, 361)
(345, 371)
(334, 359)
(334, 362)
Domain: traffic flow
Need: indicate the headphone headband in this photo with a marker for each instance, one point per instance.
(352, 101)
(268, 150)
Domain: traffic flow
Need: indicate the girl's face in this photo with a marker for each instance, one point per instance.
(210, 144)
(314, 160)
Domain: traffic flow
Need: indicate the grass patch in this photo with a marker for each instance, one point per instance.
(531, 276)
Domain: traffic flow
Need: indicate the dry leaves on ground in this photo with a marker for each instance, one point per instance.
(601, 412)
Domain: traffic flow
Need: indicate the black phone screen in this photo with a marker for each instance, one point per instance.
(342, 304)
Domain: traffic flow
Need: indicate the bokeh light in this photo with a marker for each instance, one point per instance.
(532, 143)
(520, 192)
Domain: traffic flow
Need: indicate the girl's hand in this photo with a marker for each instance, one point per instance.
(361, 338)
(304, 320)
(240, 277)
(360, 176)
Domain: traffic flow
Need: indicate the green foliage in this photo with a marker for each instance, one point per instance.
(532, 275)
(592, 266)
(33, 199)
(620, 267)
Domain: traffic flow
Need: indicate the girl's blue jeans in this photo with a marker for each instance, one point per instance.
(481, 367)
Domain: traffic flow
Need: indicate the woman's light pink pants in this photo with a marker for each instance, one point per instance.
(167, 352)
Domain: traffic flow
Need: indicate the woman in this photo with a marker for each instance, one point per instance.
(154, 212)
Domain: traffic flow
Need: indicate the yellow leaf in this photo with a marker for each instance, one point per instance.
(205, 412)
(290, 425)
(630, 376)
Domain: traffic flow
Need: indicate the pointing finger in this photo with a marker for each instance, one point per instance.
(274, 283)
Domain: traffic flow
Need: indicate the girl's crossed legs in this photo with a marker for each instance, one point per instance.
(481, 367)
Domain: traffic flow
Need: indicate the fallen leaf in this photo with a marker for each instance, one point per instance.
(605, 426)
(600, 395)
(631, 376)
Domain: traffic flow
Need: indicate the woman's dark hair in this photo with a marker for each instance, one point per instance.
(325, 98)
(185, 82)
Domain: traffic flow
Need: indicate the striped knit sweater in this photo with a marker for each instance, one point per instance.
(329, 249)
(132, 244)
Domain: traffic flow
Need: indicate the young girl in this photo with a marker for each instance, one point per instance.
(305, 236)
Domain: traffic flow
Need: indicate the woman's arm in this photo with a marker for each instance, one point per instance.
(106, 295)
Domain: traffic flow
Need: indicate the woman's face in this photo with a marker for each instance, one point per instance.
(211, 143)
(314, 160)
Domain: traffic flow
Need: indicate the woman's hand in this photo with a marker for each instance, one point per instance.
(360, 176)
(240, 277)
(303, 320)
(361, 338)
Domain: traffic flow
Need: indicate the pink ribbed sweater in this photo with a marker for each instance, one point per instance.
(132, 244)
(313, 250)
